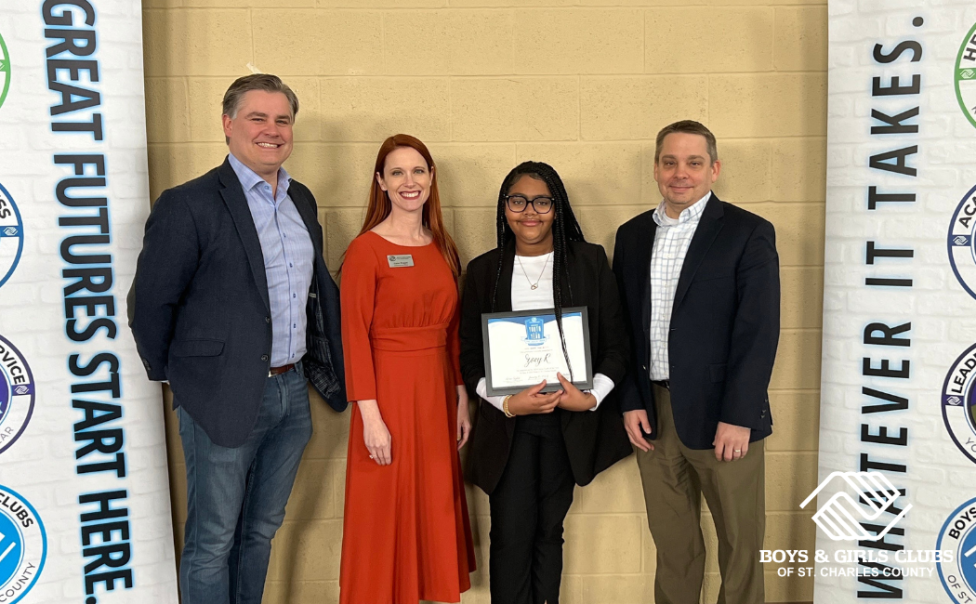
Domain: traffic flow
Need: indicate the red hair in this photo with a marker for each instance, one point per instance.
(380, 205)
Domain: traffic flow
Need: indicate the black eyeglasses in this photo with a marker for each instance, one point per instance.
(518, 203)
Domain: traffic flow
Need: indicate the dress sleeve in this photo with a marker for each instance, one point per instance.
(358, 295)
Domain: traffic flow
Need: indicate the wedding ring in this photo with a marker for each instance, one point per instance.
(737, 450)
(371, 457)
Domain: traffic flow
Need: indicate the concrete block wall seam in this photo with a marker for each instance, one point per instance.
(577, 83)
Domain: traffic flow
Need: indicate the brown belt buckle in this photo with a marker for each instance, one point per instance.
(273, 371)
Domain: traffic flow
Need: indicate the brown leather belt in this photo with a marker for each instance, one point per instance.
(279, 370)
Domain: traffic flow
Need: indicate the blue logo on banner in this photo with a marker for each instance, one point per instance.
(959, 402)
(535, 331)
(23, 546)
(962, 251)
(11, 235)
(16, 394)
(958, 572)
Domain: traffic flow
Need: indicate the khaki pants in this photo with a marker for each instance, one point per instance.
(674, 478)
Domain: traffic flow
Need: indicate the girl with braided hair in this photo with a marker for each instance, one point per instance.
(528, 450)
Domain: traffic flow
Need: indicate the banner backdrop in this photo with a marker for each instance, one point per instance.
(899, 341)
(84, 498)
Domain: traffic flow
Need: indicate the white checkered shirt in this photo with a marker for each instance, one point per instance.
(671, 241)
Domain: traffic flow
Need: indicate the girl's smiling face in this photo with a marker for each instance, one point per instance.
(529, 226)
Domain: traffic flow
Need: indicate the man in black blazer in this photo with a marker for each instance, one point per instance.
(234, 306)
(699, 281)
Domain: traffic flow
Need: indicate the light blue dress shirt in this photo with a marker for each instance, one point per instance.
(288, 257)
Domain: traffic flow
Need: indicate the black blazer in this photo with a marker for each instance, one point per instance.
(200, 311)
(724, 322)
(595, 440)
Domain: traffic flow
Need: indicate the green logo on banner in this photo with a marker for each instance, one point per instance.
(966, 76)
(4, 71)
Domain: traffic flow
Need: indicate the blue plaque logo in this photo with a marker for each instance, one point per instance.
(958, 571)
(962, 243)
(535, 331)
(11, 235)
(16, 394)
(23, 546)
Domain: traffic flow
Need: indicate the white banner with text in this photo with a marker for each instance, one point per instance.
(84, 494)
(896, 507)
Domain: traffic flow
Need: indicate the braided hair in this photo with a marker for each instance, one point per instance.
(565, 229)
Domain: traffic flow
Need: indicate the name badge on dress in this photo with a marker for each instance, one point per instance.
(400, 260)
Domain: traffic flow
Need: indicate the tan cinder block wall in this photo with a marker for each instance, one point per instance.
(581, 84)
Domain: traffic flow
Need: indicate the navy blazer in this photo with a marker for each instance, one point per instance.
(200, 311)
(724, 322)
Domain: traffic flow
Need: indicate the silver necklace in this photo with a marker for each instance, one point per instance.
(535, 285)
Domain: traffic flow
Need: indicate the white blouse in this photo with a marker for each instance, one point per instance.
(529, 270)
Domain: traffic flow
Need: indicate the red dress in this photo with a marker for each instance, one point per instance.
(406, 534)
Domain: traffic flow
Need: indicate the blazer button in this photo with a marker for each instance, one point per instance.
(264, 357)
(267, 319)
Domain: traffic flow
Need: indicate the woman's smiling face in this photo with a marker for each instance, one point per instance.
(406, 179)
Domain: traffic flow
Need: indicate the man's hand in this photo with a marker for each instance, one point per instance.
(531, 401)
(574, 399)
(731, 442)
(637, 424)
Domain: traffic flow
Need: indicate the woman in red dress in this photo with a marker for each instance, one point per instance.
(406, 535)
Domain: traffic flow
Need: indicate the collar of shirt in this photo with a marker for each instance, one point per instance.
(250, 179)
(691, 214)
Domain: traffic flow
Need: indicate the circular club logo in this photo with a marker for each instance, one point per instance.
(23, 546)
(962, 242)
(11, 235)
(966, 76)
(958, 572)
(16, 394)
(4, 71)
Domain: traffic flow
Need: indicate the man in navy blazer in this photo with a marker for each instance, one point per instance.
(699, 281)
(234, 306)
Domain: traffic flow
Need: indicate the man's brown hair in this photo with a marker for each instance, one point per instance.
(688, 127)
(258, 81)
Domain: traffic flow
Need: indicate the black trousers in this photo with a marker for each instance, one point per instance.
(527, 511)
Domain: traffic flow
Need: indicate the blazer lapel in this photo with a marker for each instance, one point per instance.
(645, 247)
(233, 196)
(503, 296)
(708, 228)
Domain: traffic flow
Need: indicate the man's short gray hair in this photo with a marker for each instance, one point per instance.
(258, 81)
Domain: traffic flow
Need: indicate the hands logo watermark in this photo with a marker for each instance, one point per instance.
(840, 518)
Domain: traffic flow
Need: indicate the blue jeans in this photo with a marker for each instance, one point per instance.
(236, 496)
